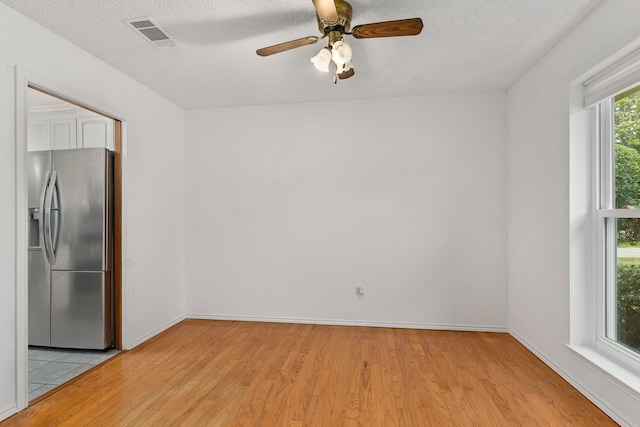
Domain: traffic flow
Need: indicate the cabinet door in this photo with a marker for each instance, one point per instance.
(38, 135)
(63, 134)
(95, 132)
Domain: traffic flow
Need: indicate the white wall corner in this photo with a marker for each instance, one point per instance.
(157, 331)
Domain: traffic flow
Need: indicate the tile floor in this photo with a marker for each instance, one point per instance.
(51, 367)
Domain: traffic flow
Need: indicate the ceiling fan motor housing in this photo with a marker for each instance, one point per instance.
(342, 25)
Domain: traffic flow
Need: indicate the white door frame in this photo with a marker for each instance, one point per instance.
(23, 79)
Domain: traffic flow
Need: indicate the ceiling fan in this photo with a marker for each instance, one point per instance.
(334, 22)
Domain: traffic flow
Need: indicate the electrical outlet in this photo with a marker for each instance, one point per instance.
(360, 292)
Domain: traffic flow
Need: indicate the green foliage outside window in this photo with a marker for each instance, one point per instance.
(628, 306)
(627, 195)
(627, 162)
(627, 191)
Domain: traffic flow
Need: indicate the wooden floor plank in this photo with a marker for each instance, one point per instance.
(220, 373)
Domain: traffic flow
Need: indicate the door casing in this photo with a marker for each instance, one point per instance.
(24, 81)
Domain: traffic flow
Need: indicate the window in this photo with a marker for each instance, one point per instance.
(618, 226)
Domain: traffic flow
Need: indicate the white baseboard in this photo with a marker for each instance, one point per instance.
(576, 384)
(338, 322)
(155, 332)
(6, 413)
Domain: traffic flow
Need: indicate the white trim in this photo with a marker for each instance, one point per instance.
(615, 79)
(128, 296)
(576, 384)
(582, 219)
(618, 213)
(617, 374)
(158, 330)
(591, 73)
(338, 322)
(604, 119)
(22, 233)
(619, 353)
(6, 413)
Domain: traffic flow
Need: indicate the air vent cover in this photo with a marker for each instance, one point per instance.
(151, 32)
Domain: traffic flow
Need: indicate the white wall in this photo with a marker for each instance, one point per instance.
(290, 207)
(154, 181)
(539, 195)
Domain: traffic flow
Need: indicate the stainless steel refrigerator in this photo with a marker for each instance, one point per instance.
(70, 195)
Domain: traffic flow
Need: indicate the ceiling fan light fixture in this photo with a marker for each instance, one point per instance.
(322, 60)
(334, 23)
(341, 53)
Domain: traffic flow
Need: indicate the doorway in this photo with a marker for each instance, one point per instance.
(28, 92)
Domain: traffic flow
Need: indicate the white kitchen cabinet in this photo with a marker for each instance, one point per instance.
(51, 134)
(62, 133)
(38, 135)
(95, 132)
(61, 130)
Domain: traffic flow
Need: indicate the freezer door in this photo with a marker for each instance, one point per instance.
(81, 310)
(38, 164)
(39, 299)
(82, 194)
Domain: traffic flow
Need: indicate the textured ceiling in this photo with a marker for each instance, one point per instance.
(466, 45)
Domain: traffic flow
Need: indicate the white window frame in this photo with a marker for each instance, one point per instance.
(605, 233)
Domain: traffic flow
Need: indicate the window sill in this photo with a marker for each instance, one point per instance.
(615, 372)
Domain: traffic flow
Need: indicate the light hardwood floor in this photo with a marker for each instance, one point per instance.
(218, 373)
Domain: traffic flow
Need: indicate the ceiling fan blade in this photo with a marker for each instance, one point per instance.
(401, 27)
(326, 10)
(266, 51)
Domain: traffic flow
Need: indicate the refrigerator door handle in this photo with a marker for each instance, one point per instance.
(48, 239)
(45, 185)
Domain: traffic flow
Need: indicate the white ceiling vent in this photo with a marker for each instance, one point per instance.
(151, 32)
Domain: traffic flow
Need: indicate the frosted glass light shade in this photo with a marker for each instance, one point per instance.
(322, 59)
(341, 53)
